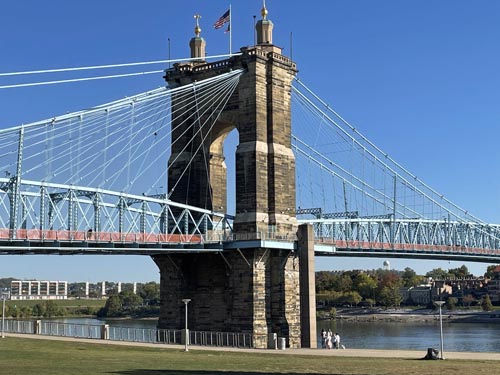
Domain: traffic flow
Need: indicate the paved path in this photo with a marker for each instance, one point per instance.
(370, 353)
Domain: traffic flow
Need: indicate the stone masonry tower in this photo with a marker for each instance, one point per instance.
(249, 289)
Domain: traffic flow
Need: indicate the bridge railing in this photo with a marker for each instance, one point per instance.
(66, 235)
(385, 246)
(408, 234)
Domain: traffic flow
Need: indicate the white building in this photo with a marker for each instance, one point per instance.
(38, 290)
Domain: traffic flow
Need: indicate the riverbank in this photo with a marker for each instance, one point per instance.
(420, 315)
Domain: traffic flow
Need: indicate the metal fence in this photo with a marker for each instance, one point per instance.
(19, 326)
(149, 335)
(129, 334)
(70, 330)
(230, 339)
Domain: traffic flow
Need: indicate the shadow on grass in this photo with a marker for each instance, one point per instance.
(198, 372)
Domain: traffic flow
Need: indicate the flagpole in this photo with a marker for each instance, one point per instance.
(230, 30)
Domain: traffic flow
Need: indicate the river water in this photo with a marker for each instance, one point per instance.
(459, 337)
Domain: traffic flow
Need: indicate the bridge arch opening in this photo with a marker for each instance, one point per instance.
(229, 141)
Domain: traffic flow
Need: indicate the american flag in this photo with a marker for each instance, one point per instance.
(223, 20)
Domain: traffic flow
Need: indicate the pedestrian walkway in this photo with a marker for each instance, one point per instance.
(367, 353)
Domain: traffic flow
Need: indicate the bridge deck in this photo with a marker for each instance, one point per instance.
(64, 242)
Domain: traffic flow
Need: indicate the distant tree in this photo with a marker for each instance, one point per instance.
(6, 282)
(150, 293)
(365, 285)
(93, 294)
(437, 274)
(25, 312)
(370, 301)
(324, 281)
(330, 298)
(486, 304)
(459, 272)
(390, 279)
(38, 310)
(468, 299)
(410, 278)
(351, 298)
(490, 274)
(129, 300)
(343, 283)
(113, 307)
(451, 303)
(390, 296)
(52, 309)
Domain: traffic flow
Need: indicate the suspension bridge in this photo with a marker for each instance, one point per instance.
(95, 181)
(148, 175)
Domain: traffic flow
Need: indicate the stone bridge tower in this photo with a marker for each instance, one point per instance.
(251, 289)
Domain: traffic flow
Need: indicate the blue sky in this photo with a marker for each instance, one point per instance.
(420, 79)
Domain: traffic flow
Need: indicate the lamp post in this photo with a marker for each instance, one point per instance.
(440, 304)
(186, 339)
(3, 296)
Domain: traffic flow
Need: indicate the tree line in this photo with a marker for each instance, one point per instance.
(378, 287)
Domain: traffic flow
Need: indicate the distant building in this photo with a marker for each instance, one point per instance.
(38, 290)
(441, 289)
(493, 286)
(418, 295)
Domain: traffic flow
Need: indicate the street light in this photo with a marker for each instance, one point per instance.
(186, 338)
(3, 296)
(440, 304)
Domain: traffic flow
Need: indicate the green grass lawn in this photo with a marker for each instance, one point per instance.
(26, 356)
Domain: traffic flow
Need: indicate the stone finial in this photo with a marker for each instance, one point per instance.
(197, 28)
(264, 28)
(263, 11)
(197, 43)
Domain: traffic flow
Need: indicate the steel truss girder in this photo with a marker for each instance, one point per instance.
(409, 234)
(47, 206)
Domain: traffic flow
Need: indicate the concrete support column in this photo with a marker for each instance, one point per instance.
(38, 327)
(305, 236)
(105, 332)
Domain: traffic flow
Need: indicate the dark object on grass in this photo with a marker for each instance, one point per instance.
(432, 354)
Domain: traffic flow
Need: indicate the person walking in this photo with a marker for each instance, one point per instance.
(337, 340)
(329, 337)
(323, 339)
